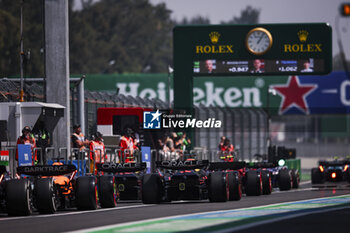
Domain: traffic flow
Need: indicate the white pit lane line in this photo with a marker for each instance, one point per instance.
(305, 182)
(72, 213)
(277, 191)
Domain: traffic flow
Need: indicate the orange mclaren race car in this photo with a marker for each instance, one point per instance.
(50, 187)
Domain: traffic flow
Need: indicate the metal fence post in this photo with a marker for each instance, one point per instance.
(12, 161)
(60, 154)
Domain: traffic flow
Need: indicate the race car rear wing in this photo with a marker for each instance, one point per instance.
(333, 163)
(226, 165)
(261, 165)
(121, 167)
(182, 165)
(46, 170)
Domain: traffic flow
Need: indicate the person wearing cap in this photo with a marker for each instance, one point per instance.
(127, 146)
(78, 139)
(227, 151)
(27, 138)
(97, 151)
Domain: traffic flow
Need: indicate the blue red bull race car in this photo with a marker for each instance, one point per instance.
(191, 180)
(127, 178)
(176, 180)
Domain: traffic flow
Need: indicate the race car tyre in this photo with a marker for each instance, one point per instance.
(235, 189)
(253, 183)
(295, 178)
(316, 176)
(86, 193)
(18, 197)
(151, 189)
(45, 196)
(218, 187)
(266, 182)
(285, 181)
(107, 191)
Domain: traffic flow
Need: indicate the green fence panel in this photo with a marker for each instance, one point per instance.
(294, 164)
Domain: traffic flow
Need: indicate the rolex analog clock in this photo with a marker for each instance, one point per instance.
(258, 41)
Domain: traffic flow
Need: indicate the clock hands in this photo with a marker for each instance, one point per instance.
(260, 38)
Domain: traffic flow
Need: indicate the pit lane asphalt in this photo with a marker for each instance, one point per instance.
(135, 211)
(332, 221)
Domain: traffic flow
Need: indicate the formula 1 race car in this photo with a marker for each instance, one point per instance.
(127, 178)
(331, 171)
(235, 173)
(3, 177)
(254, 181)
(276, 176)
(133, 183)
(51, 187)
(273, 168)
(189, 180)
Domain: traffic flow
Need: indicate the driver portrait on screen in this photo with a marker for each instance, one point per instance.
(210, 66)
(306, 67)
(257, 66)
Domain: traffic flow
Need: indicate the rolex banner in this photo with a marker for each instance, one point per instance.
(280, 94)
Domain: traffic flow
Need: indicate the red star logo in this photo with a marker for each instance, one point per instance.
(294, 94)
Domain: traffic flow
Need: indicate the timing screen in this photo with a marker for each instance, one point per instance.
(259, 66)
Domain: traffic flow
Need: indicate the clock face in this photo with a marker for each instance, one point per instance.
(258, 41)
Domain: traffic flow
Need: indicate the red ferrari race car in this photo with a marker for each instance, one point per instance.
(254, 181)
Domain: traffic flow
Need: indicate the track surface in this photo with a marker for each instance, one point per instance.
(134, 211)
(333, 221)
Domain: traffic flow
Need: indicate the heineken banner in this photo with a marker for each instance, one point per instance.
(280, 94)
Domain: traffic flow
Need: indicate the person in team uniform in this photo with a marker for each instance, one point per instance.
(127, 146)
(27, 138)
(43, 140)
(227, 151)
(97, 151)
(78, 140)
